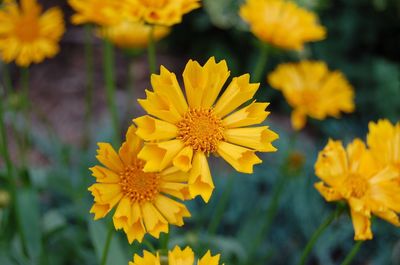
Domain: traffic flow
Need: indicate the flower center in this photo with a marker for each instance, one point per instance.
(27, 28)
(201, 129)
(139, 186)
(154, 3)
(357, 186)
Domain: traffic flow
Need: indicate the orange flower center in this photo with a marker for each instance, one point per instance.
(357, 186)
(201, 129)
(27, 28)
(139, 186)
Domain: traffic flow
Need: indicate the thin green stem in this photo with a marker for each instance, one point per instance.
(26, 112)
(164, 239)
(261, 63)
(107, 245)
(131, 78)
(4, 146)
(221, 206)
(353, 252)
(151, 51)
(149, 245)
(89, 61)
(7, 79)
(320, 230)
(110, 87)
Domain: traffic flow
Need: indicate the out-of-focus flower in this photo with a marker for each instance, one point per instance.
(143, 201)
(311, 89)
(175, 257)
(183, 132)
(5, 198)
(282, 23)
(296, 161)
(383, 139)
(132, 34)
(160, 12)
(26, 34)
(354, 176)
(99, 12)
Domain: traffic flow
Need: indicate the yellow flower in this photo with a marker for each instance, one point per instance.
(311, 89)
(100, 12)
(282, 23)
(143, 200)
(183, 132)
(175, 257)
(384, 141)
(160, 12)
(132, 34)
(28, 36)
(353, 175)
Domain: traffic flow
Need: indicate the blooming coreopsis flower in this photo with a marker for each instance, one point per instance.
(99, 12)
(282, 23)
(354, 176)
(144, 201)
(160, 12)
(26, 34)
(383, 139)
(184, 131)
(311, 89)
(176, 256)
(128, 34)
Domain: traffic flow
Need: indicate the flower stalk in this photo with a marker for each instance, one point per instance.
(107, 245)
(261, 63)
(151, 51)
(353, 252)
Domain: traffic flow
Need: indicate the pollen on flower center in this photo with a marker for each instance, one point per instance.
(139, 186)
(357, 186)
(201, 129)
(27, 29)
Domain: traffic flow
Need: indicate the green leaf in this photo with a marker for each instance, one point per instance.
(29, 222)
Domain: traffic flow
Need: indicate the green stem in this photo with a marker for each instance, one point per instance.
(314, 238)
(89, 60)
(261, 63)
(26, 107)
(110, 87)
(131, 78)
(164, 239)
(349, 258)
(107, 245)
(221, 206)
(7, 79)
(151, 51)
(5, 153)
(149, 245)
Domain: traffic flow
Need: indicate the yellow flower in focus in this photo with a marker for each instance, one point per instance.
(353, 175)
(26, 34)
(143, 201)
(282, 23)
(160, 12)
(384, 142)
(175, 257)
(184, 131)
(311, 89)
(132, 34)
(100, 12)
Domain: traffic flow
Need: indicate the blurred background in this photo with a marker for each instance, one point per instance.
(363, 42)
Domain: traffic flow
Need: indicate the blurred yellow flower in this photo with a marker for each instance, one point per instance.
(143, 201)
(183, 132)
(311, 89)
(384, 141)
(26, 35)
(132, 34)
(99, 12)
(282, 23)
(175, 257)
(353, 175)
(160, 12)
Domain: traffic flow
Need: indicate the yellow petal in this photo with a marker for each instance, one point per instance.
(195, 80)
(252, 114)
(123, 216)
(104, 175)
(136, 230)
(200, 180)
(181, 257)
(130, 147)
(362, 226)
(178, 190)
(238, 92)
(159, 156)
(167, 85)
(173, 211)
(151, 129)
(257, 138)
(109, 158)
(100, 210)
(207, 259)
(298, 119)
(328, 193)
(389, 216)
(183, 159)
(240, 158)
(173, 174)
(105, 192)
(360, 159)
(154, 222)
